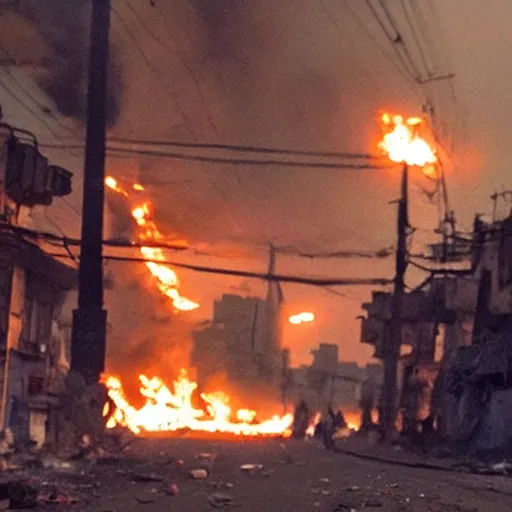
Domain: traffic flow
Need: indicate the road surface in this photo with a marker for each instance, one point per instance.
(296, 476)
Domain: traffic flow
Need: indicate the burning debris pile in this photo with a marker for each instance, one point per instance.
(168, 411)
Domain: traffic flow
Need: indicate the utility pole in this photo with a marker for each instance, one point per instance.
(90, 319)
(393, 336)
(285, 379)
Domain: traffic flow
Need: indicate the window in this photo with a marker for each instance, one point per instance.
(5, 299)
(38, 325)
(505, 255)
(35, 385)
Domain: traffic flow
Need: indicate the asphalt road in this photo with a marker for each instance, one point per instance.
(296, 476)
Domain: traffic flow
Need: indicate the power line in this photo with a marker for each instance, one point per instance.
(222, 160)
(253, 275)
(394, 41)
(382, 253)
(220, 191)
(77, 242)
(18, 100)
(148, 63)
(176, 50)
(332, 291)
(146, 28)
(245, 149)
(239, 148)
(441, 270)
(399, 40)
(416, 37)
(375, 41)
(247, 161)
(42, 107)
(71, 206)
(422, 25)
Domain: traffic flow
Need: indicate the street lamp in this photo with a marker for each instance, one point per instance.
(305, 317)
(402, 144)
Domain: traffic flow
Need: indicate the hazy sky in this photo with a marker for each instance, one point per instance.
(300, 74)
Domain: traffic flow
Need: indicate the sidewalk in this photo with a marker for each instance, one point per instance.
(362, 448)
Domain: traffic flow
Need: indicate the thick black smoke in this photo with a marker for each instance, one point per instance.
(64, 27)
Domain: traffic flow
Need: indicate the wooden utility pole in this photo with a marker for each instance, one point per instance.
(90, 319)
(393, 337)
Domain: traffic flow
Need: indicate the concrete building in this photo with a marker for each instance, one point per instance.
(33, 291)
(33, 288)
(453, 314)
(242, 342)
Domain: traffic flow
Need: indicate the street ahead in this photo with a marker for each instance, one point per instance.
(296, 476)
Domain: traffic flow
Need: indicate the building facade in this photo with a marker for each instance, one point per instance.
(33, 288)
(243, 344)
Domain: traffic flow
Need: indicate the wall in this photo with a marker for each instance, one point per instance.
(495, 238)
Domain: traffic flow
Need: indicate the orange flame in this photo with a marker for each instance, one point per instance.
(167, 411)
(402, 143)
(166, 279)
(302, 318)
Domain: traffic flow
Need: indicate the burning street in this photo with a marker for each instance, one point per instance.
(288, 476)
(170, 410)
(248, 258)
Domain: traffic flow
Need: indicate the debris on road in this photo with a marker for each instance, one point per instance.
(147, 477)
(249, 468)
(343, 508)
(372, 503)
(220, 485)
(198, 474)
(204, 456)
(503, 467)
(219, 500)
(145, 501)
(55, 463)
(172, 490)
(54, 497)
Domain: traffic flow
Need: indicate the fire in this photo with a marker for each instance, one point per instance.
(114, 185)
(311, 429)
(302, 318)
(167, 411)
(166, 279)
(403, 144)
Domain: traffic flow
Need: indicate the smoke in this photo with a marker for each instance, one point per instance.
(64, 28)
(279, 74)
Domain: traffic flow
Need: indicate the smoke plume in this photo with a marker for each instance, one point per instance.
(64, 28)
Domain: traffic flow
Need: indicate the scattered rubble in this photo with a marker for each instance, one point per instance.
(145, 501)
(147, 477)
(198, 474)
(172, 489)
(55, 497)
(250, 468)
(220, 500)
(220, 485)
